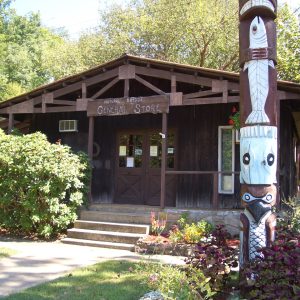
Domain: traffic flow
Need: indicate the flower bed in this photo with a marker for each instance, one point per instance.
(160, 245)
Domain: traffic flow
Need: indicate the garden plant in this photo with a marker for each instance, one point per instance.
(41, 184)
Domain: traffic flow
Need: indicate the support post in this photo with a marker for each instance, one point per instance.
(215, 197)
(126, 88)
(10, 123)
(258, 143)
(90, 150)
(164, 135)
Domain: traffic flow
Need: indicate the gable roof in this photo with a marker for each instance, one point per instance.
(136, 60)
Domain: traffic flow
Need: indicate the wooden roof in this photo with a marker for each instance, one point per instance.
(100, 70)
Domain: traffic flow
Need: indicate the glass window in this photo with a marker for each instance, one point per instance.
(226, 160)
(156, 150)
(130, 151)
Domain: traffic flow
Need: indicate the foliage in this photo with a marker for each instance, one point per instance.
(158, 224)
(41, 184)
(189, 233)
(215, 259)
(236, 122)
(277, 275)
(111, 280)
(176, 283)
(288, 40)
(291, 213)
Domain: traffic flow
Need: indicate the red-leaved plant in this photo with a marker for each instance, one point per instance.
(277, 275)
(215, 258)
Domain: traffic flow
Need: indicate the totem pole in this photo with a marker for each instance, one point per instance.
(258, 143)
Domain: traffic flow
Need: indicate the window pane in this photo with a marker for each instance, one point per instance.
(130, 151)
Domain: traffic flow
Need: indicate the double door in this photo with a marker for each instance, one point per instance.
(138, 171)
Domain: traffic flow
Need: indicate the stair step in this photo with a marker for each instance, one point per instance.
(100, 244)
(124, 208)
(121, 217)
(105, 236)
(115, 227)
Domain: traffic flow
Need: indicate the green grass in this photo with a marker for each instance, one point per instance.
(6, 252)
(110, 280)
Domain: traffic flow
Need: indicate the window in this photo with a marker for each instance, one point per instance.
(226, 159)
(68, 125)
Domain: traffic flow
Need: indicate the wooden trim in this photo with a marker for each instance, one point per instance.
(105, 88)
(149, 85)
(163, 160)
(173, 84)
(288, 96)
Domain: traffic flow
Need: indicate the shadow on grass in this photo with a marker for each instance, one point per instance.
(110, 280)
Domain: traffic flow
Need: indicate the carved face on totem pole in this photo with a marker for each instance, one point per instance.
(258, 155)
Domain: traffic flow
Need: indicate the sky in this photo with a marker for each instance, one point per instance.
(77, 16)
(74, 15)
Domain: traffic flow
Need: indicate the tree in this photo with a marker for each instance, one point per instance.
(288, 39)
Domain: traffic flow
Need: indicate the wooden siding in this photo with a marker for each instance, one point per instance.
(197, 134)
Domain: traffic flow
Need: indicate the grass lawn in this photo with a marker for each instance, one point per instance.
(5, 252)
(110, 280)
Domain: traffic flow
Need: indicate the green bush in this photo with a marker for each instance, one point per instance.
(41, 184)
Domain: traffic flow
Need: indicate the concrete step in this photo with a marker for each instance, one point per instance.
(91, 243)
(122, 217)
(115, 227)
(104, 236)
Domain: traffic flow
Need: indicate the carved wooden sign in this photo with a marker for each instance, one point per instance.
(258, 144)
(126, 106)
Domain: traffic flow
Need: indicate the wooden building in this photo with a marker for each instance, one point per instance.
(157, 132)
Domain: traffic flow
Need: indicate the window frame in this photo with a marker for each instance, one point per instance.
(220, 190)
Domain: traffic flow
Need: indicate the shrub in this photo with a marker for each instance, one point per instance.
(41, 184)
(291, 213)
(189, 233)
(277, 275)
(174, 282)
(215, 259)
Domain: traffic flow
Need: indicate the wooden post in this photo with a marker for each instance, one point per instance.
(91, 137)
(258, 143)
(164, 135)
(10, 123)
(90, 150)
(215, 197)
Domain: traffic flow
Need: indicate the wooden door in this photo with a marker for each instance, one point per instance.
(138, 173)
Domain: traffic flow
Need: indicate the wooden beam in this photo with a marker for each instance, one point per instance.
(173, 84)
(55, 109)
(105, 88)
(200, 94)
(81, 104)
(225, 91)
(83, 90)
(211, 100)
(127, 72)
(175, 99)
(163, 160)
(90, 81)
(149, 85)
(288, 96)
(64, 102)
(10, 123)
(126, 88)
(179, 76)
